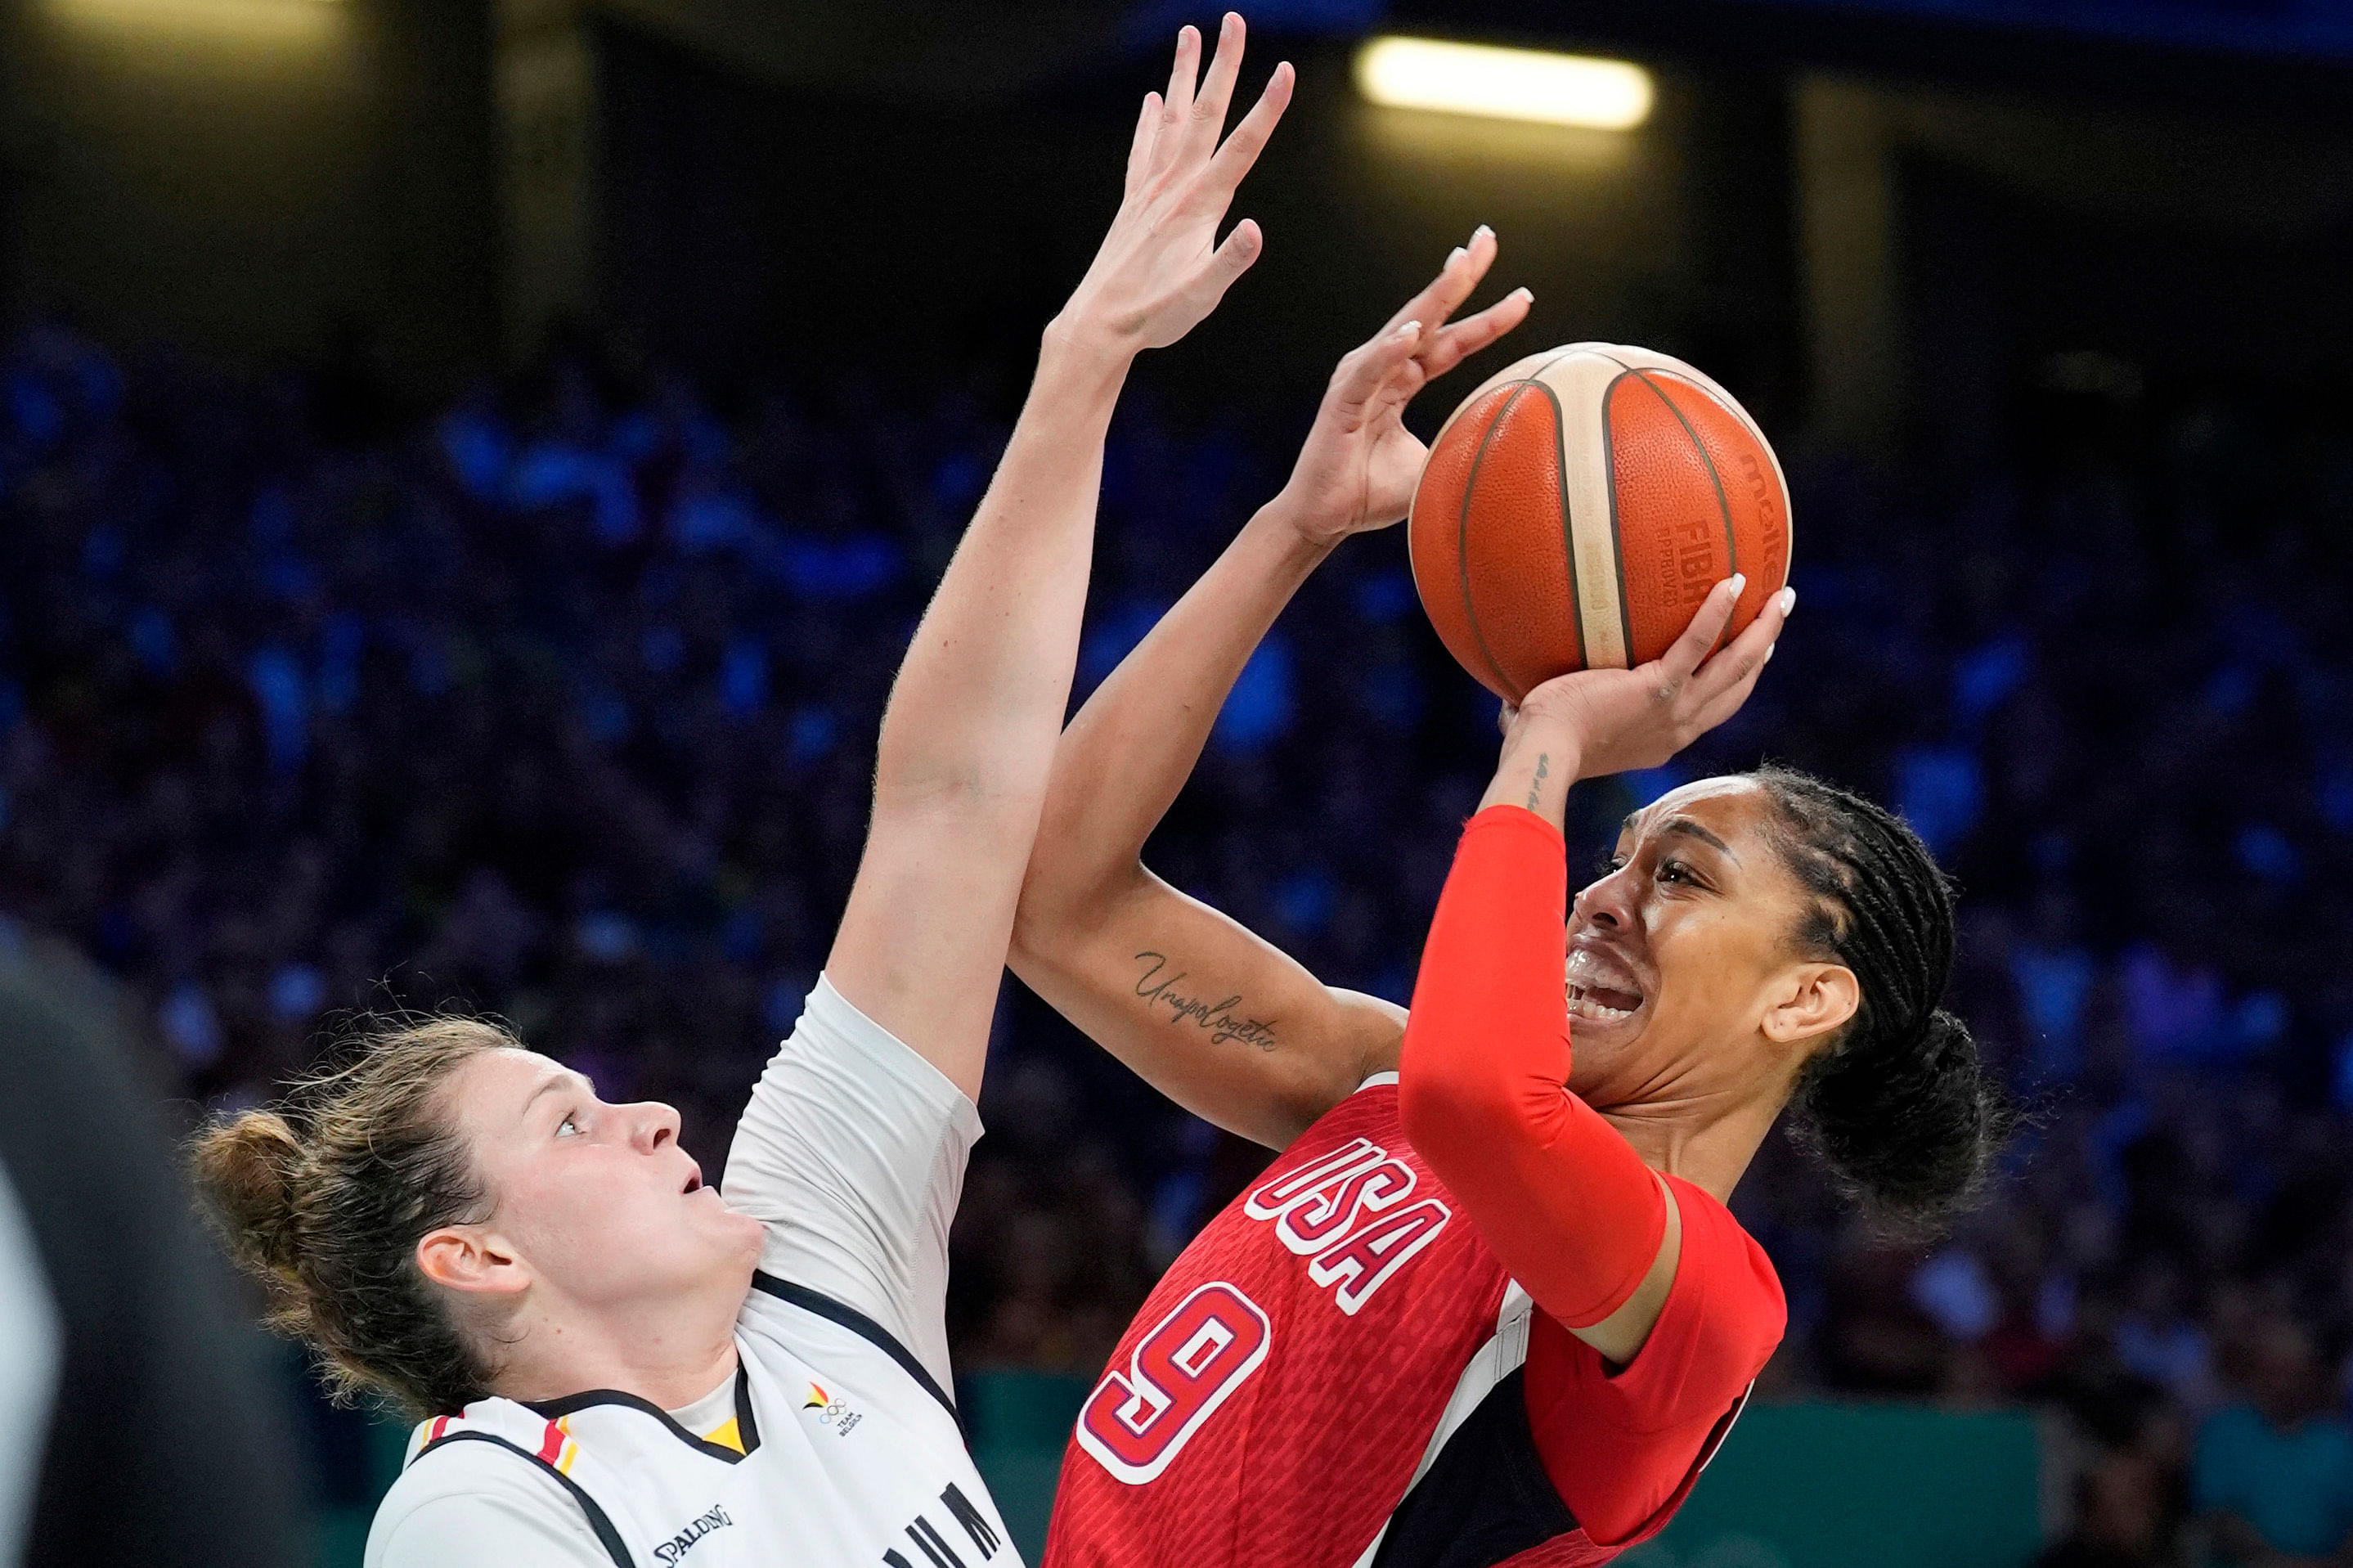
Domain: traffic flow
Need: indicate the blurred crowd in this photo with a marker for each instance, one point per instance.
(559, 704)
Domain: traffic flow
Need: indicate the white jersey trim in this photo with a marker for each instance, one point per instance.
(1504, 1354)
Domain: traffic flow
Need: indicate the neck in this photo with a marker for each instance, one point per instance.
(667, 1353)
(1707, 1136)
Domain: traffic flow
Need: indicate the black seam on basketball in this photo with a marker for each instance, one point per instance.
(1567, 529)
(1462, 541)
(1617, 539)
(1723, 506)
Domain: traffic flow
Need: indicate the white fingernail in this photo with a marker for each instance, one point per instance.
(1526, 293)
(1739, 582)
(1409, 329)
(1455, 255)
(1769, 653)
(1475, 233)
(1788, 600)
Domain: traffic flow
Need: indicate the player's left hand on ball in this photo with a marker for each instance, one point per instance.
(1621, 720)
(1161, 268)
(1360, 464)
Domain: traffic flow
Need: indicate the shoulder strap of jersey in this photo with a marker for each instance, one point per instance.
(865, 1328)
(531, 1438)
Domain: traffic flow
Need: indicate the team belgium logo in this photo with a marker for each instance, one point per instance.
(831, 1412)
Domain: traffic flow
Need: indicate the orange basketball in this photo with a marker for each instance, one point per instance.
(1578, 506)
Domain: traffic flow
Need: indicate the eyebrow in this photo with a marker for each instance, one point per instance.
(547, 1085)
(1690, 828)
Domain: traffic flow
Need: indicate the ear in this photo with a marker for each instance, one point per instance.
(1813, 1001)
(471, 1259)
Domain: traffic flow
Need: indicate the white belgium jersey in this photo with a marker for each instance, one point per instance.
(839, 1443)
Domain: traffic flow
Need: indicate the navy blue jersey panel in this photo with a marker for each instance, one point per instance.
(1487, 1499)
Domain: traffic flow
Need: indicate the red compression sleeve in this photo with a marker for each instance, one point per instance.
(1561, 1197)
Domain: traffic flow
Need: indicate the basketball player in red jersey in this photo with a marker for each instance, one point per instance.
(1488, 1305)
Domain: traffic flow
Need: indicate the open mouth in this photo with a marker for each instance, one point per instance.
(1600, 991)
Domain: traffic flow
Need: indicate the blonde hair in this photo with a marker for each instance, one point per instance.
(324, 1196)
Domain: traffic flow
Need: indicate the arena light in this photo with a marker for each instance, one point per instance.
(284, 20)
(1503, 84)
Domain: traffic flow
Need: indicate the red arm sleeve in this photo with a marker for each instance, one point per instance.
(1564, 1201)
(1622, 1445)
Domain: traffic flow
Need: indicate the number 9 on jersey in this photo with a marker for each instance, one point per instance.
(1136, 1421)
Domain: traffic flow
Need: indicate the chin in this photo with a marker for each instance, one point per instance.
(721, 1236)
(1597, 1047)
(750, 1235)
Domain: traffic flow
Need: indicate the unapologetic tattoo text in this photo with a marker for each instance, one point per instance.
(1217, 1017)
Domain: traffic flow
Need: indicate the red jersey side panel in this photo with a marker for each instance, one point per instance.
(1271, 1401)
(1621, 1448)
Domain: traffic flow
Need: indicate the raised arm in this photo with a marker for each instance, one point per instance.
(1216, 1018)
(967, 742)
(1585, 1227)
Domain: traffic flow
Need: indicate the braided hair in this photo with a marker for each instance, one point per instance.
(1900, 1108)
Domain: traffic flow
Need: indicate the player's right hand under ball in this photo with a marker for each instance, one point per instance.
(1161, 268)
(1359, 466)
(1597, 722)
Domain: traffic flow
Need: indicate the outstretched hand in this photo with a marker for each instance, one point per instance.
(1614, 720)
(1161, 268)
(1359, 467)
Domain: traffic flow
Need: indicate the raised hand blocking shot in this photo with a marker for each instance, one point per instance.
(1162, 268)
(988, 677)
(612, 1363)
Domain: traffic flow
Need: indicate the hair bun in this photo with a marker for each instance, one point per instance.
(1946, 1041)
(1939, 1041)
(1899, 1104)
(250, 1168)
(1911, 1130)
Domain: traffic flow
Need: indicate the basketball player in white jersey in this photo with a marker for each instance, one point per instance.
(617, 1365)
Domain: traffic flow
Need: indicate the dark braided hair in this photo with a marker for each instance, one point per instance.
(1900, 1107)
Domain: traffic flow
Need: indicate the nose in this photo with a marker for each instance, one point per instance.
(653, 1125)
(1607, 902)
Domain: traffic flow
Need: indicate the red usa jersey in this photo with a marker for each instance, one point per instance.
(1334, 1374)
